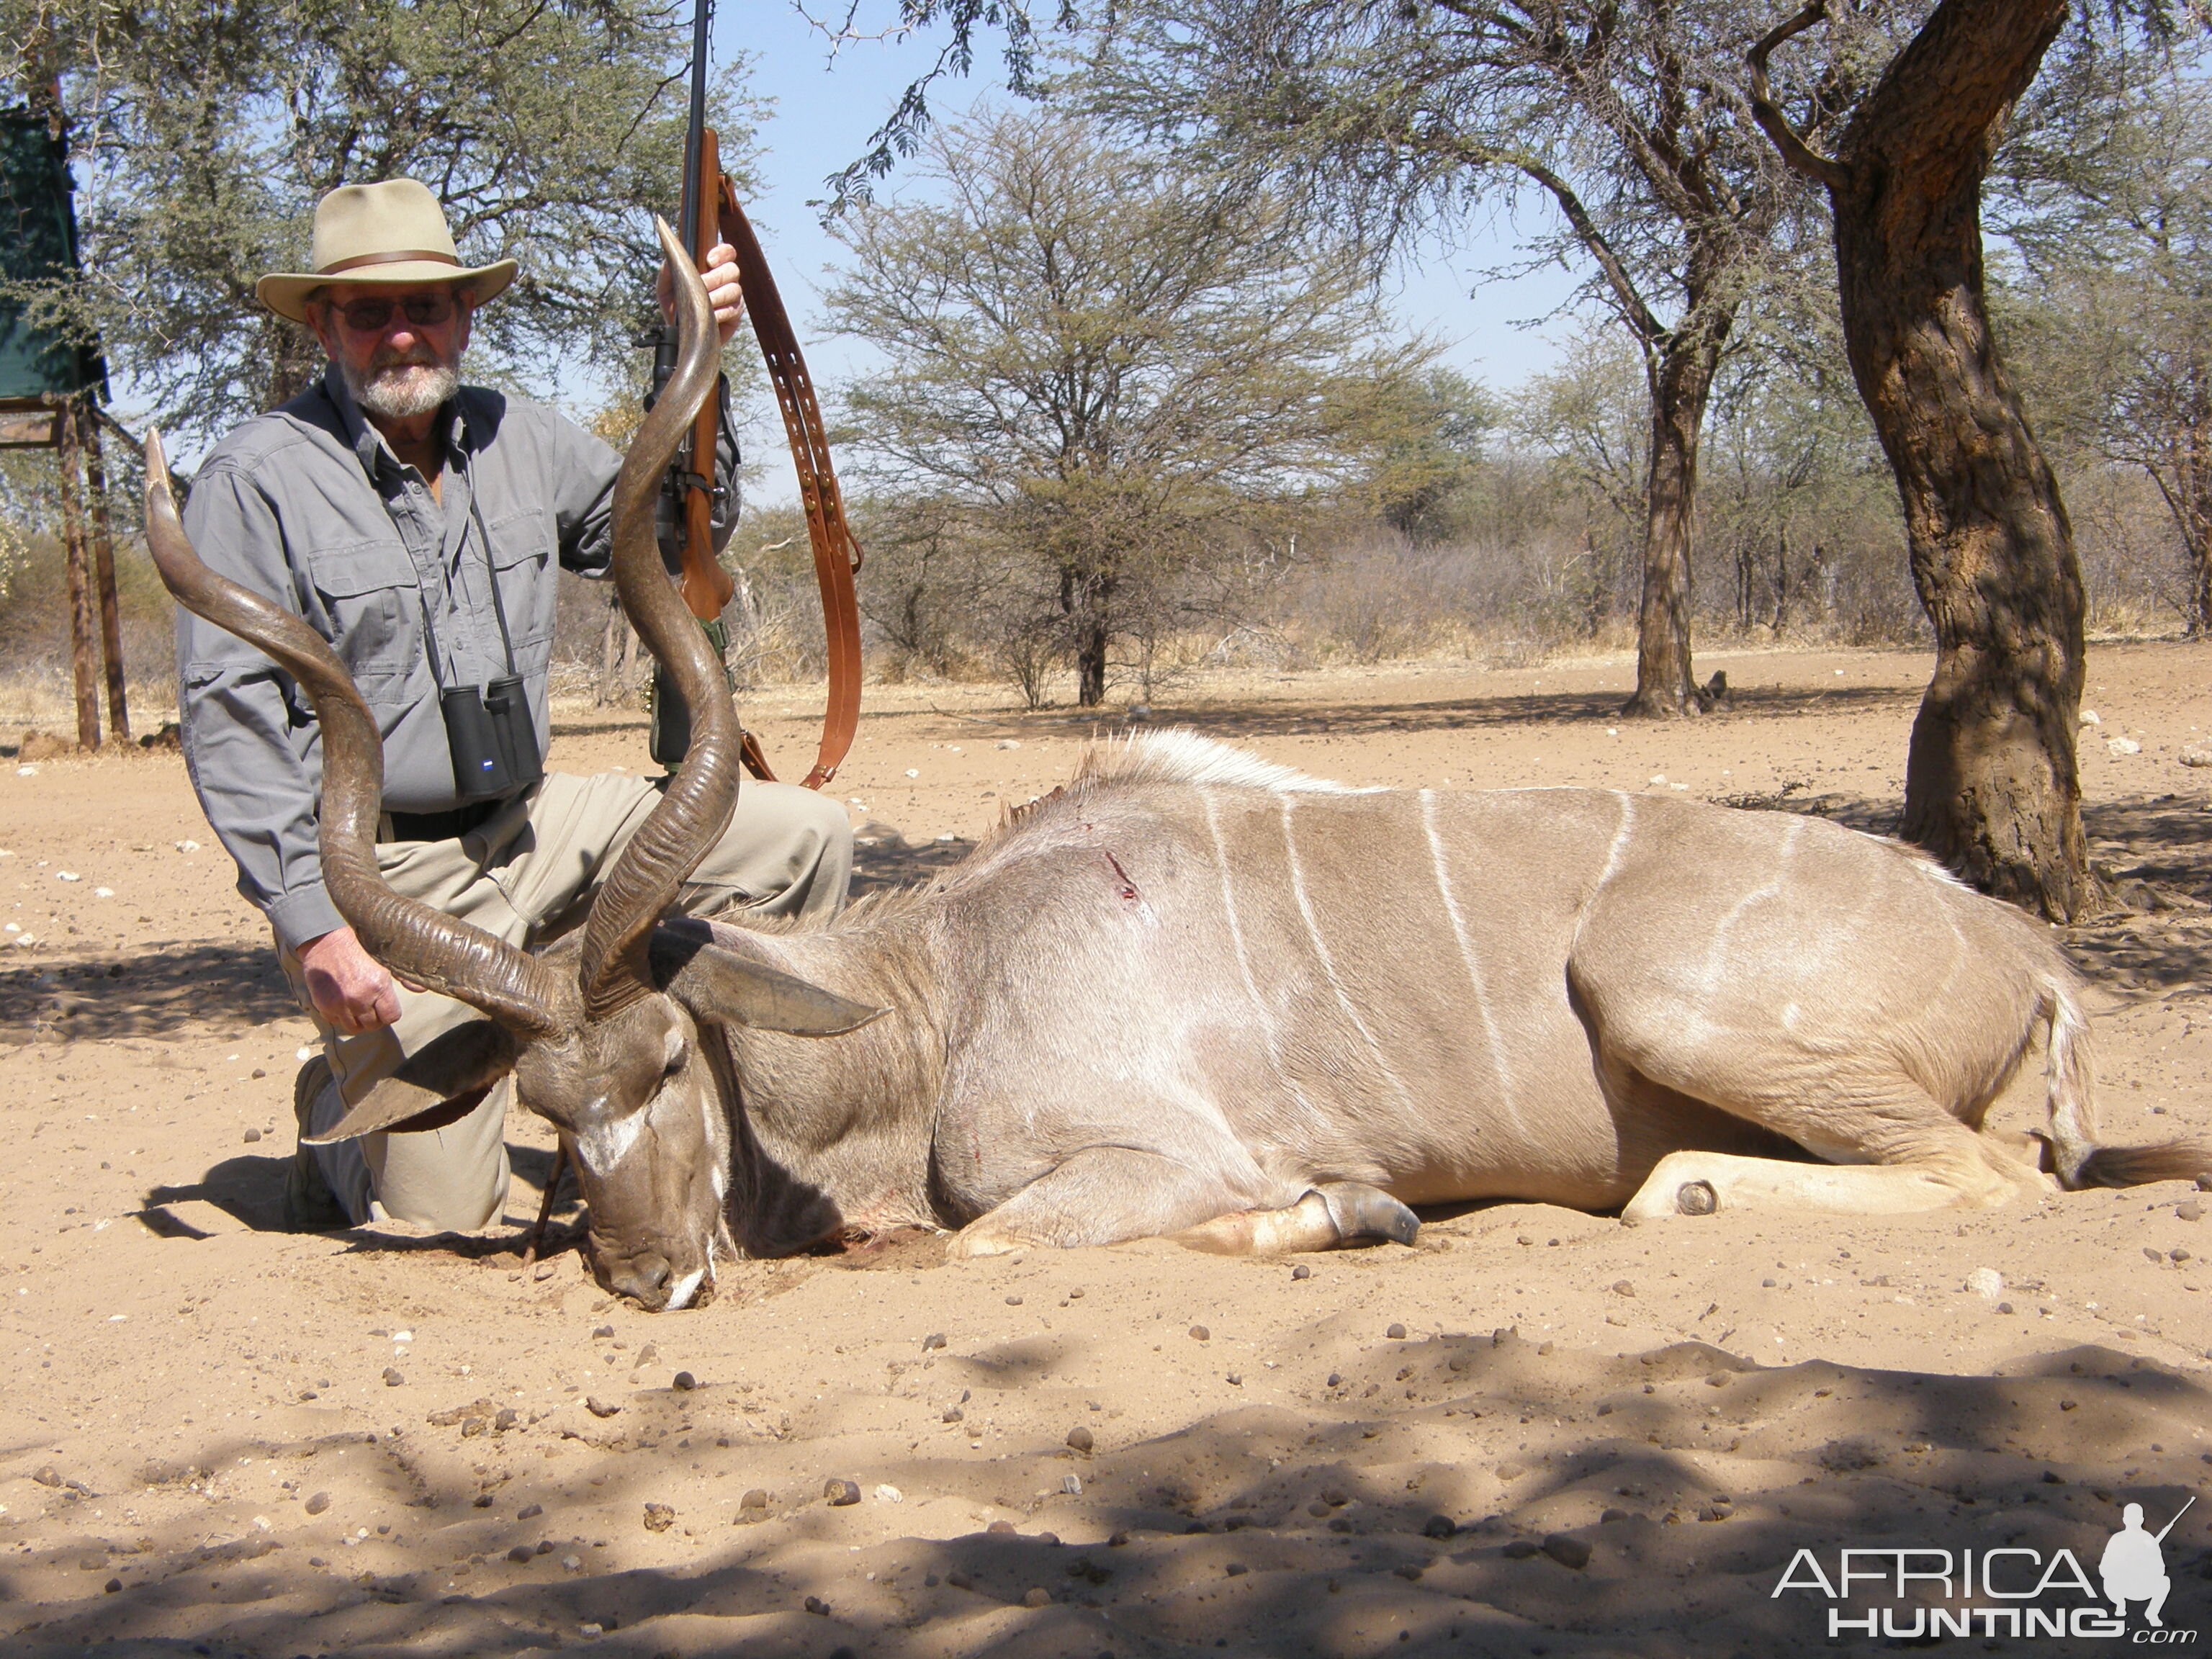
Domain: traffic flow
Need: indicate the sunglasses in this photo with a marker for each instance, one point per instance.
(422, 310)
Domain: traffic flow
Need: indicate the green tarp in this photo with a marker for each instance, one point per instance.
(38, 242)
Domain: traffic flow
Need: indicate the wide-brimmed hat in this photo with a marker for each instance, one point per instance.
(394, 232)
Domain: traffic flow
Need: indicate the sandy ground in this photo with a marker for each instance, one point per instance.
(1535, 1433)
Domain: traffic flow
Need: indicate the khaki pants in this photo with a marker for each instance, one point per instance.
(528, 875)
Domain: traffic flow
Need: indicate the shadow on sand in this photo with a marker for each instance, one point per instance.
(1403, 1513)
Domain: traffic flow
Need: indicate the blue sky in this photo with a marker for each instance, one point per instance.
(825, 109)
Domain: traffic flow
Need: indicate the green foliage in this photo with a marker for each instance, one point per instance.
(204, 131)
(2106, 202)
(1428, 466)
(1114, 373)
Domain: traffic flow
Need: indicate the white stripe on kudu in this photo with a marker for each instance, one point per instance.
(1260, 1007)
(1327, 965)
(1498, 1055)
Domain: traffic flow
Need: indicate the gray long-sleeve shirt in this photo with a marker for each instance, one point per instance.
(309, 507)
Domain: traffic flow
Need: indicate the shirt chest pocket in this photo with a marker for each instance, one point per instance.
(523, 562)
(372, 613)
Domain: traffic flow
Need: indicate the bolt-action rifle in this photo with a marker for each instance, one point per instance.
(711, 213)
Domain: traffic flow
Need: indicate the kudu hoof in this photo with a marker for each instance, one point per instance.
(1365, 1215)
(1697, 1198)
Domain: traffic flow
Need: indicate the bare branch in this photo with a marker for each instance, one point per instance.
(1648, 327)
(1800, 155)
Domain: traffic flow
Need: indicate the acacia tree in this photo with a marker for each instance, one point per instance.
(1991, 783)
(1111, 368)
(2106, 193)
(1393, 116)
(204, 134)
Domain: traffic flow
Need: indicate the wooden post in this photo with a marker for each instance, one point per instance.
(103, 570)
(82, 646)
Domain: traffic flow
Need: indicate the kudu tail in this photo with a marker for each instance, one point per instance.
(2070, 1103)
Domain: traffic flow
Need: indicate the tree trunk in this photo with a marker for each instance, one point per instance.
(1679, 385)
(615, 644)
(103, 570)
(1782, 590)
(1086, 602)
(2189, 496)
(1991, 785)
(84, 639)
(1090, 661)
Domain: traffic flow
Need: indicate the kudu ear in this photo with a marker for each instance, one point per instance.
(437, 1085)
(724, 989)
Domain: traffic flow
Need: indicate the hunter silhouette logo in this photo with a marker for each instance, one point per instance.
(2133, 1566)
(2010, 1590)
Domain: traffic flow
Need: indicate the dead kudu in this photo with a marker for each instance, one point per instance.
(1196, 994)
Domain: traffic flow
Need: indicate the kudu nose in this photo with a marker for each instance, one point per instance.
(642, 1279)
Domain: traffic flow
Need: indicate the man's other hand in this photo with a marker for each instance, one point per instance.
(723, 289)
(348, 987)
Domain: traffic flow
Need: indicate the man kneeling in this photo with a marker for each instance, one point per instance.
(420, 526)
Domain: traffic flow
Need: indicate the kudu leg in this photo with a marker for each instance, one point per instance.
(1103, 1196)
(1963, 1176)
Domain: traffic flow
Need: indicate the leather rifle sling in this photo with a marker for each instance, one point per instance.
(837, 554)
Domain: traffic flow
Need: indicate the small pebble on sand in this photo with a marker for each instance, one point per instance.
(1302, 1272)
(839, 1493)
(1200, 1333)
(1568, 1550)
(1395, 1332)
(1079, 1439)
(391, 1378)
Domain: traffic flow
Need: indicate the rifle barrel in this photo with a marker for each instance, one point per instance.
(2178, 1514)
(703, 15)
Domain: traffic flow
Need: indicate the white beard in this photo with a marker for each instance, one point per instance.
(401, 392)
